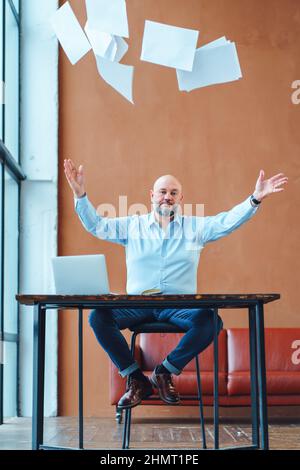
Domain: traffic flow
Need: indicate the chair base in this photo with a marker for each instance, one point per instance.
(119, 415)
(159, 328)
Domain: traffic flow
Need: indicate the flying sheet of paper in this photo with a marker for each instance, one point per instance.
(220, 42)
(122, 48)
(118, 76)
(212, 65)
(106, 45)
(169, 45)
(69, 33)
(217, 42)
(99, 40)
(109, 16)
(112, 50)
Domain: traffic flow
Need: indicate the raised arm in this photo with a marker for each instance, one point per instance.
(220, 225)
(111, 229)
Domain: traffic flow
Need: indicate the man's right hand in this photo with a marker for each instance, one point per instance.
(75, 177)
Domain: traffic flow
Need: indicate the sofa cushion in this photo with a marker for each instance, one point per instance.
(186, 384)
(152, 348)
(156, 346)
(282, 361)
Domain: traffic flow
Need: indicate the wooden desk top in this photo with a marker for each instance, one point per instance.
(159, 301)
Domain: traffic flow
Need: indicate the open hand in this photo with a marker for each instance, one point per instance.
(265, 187)
(75, 177)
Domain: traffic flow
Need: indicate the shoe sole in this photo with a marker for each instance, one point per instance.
(154, 384)
(127, 407)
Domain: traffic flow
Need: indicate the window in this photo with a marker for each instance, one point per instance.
(11, 79)
(11, 176)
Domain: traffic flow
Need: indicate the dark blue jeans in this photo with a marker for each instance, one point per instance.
(198, 324)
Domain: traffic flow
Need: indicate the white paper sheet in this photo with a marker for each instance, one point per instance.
(117, 49)
(122, 48)
(112, 50)
(214, 64)
(118, 76)
(169, 45)
(109, 16)
(217, 42)
(106, 45)
(220, 42)
(99, 40)
(69, 33)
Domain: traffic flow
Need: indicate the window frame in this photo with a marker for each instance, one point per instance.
(9, 164)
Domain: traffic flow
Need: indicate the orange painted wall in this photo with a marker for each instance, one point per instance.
(215, 140)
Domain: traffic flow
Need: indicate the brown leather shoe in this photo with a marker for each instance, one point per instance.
(137, 391)
(165, 387)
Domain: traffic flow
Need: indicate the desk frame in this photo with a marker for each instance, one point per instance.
(253, 302)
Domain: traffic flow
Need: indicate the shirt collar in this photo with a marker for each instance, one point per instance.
(152, 220)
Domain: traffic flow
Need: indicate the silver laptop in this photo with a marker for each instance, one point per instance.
(80, 275)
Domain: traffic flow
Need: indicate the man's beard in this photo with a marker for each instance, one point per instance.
(166, 211)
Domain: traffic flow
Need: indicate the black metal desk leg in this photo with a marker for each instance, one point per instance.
(261, 364)
(1, 377)
(127, 423)
(253, 377)
(216, 380)
(199, 388)
(39, 326)
(80, 379)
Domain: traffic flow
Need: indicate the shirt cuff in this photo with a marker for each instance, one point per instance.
(254, 206)
(80, 200)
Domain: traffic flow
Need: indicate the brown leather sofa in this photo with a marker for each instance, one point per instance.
(282, 363)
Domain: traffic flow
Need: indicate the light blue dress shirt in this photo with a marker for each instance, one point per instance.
(157, 259)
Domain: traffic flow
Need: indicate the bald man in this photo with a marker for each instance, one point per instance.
(162, 252)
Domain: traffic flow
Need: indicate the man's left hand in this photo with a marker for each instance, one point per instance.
(265, 187)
